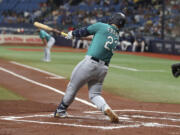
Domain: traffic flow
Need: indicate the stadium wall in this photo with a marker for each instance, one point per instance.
(14, 39)
(19, 39)
(164, 46)
(155, 46)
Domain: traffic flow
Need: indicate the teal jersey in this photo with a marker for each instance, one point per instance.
(105, 40)
(44, 34)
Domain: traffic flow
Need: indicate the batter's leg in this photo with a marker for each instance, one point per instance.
(79, 77)
(95, 89)
(98, 100)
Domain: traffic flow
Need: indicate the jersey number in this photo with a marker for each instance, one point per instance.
(109, 42)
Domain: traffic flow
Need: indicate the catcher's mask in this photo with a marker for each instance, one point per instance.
(118, 19)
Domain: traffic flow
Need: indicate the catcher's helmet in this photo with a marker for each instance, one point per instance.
(118, 19)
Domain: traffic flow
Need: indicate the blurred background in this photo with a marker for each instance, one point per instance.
(157, 22)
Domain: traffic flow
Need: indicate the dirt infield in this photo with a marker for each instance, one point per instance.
(43, 92)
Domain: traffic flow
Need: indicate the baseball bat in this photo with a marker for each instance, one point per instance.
(48, 28)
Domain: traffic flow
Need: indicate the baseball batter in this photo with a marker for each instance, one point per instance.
(48, 42)
(93, 68)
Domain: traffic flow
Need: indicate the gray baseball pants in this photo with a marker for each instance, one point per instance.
(90, 72)
(47, 49)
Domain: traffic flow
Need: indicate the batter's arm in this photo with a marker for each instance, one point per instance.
(82, 32)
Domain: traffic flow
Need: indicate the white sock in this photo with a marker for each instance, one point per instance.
(100, 103)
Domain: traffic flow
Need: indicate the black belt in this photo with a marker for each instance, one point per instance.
(97, 60)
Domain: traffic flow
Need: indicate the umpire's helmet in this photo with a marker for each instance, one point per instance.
(118, 19)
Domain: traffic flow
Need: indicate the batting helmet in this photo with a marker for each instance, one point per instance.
(118, 19)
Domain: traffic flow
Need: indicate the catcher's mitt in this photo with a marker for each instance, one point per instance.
(175, 69)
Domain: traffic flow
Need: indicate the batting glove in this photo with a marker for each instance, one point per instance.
(69, 35)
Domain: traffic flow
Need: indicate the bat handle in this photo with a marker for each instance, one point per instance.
(64, 34)
(56, 31)
(60, 33)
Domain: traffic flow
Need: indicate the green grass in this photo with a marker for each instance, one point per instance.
(143, 85)
(8, 95)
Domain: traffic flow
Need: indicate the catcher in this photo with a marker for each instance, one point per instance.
(175, 69)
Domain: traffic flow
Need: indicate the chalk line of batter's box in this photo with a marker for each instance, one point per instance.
(13, 118)
(143, 117)
(45, 86)
(54, 76)
(19, 119)
(134, 124)
(132, 110)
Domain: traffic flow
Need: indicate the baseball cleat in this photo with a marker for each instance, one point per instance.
(113, 116)
(60, 113)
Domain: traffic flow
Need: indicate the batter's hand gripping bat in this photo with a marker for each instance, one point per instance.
(48, 28)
